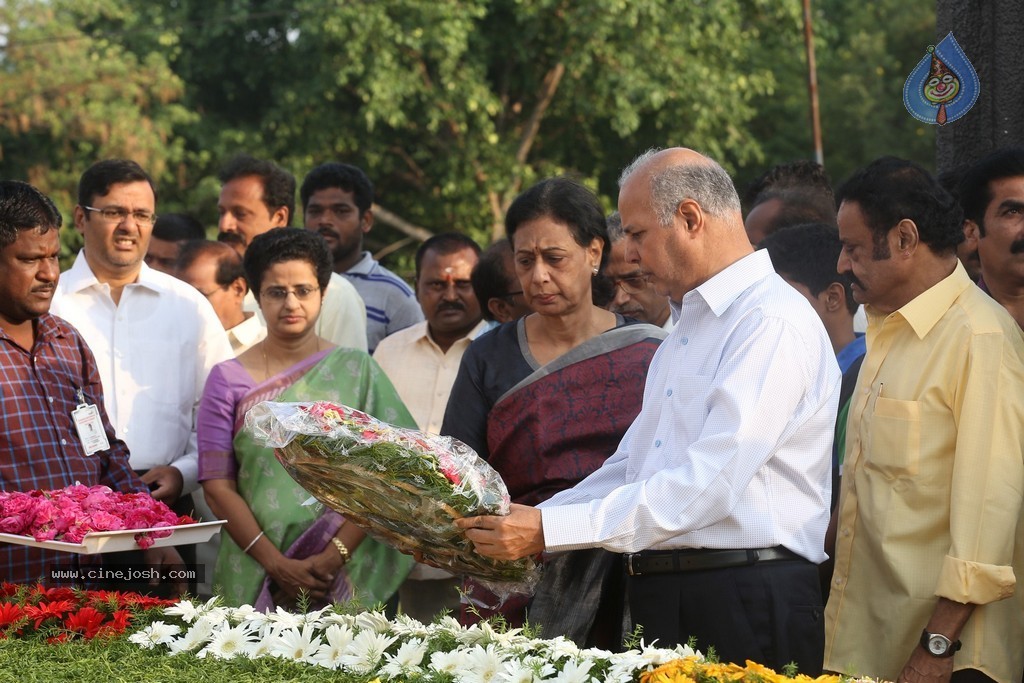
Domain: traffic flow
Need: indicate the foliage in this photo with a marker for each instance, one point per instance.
(452, 106)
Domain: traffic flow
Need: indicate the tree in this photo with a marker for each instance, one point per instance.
(453, 107)
(68, 99)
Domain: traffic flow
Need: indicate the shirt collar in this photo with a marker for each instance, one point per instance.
(480, 328)
(851, 352)
(81, 277)
(720, 290)
(249, 331)
(928, 307)
(364, 266)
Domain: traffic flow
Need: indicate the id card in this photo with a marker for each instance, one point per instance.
(90, 428)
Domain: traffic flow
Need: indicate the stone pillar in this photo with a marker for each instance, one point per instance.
(990, 33)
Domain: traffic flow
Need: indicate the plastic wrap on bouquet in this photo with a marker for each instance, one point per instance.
(400, 485)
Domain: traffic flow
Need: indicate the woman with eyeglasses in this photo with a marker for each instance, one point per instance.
(276, 546)
(547, 398)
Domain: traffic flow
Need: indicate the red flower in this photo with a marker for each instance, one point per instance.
(8, 589)
(59, 638)
(10, 613)
(48, 610)
(45, 593)
(86, 621)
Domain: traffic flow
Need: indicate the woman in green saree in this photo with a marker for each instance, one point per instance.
(276, 546)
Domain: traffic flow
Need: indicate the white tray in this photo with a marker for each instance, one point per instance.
(116, 541)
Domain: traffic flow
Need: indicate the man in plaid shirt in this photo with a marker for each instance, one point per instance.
(46, 372)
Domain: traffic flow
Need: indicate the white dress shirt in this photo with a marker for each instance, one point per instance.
(154, 349)
(247, 333)
(342, 318)
(732, 448)
(422, 373)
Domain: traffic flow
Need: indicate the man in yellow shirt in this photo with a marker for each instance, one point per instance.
(930, 509)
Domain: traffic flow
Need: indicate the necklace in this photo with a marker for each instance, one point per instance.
(266, 362)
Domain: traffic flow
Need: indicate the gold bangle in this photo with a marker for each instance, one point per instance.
(342, 550)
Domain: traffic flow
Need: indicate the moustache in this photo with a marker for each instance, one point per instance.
(451, 306)
(854, 281)
(327, 232)
(1017, 247)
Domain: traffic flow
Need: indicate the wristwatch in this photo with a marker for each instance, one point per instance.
(938, 645)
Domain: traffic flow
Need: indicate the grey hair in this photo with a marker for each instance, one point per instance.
(615, 231)
(707, 183)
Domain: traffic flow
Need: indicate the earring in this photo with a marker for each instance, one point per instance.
(595, 270)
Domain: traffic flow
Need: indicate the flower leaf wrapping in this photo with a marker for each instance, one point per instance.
(402, 486)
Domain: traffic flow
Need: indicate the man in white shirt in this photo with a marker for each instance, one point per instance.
(422, 362)
(155, 338)
(258, 196)
(215, 270)
(718, 494)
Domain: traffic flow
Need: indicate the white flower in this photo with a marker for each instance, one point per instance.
(330, 653)
(517, 672)
(347, 620)
(447, 624)
(469, 635)
(247, 614)
(264, 646)
(285, 619)
(448, 662)
(407, 660)
(198, 635)
(404, 625)
(297, 645)
(157, 633)
(483, 665)
(575, 672)
(562, 648)
(228, 643)
(541, 667)
(185, 609)
(365, 651)
(373, 621)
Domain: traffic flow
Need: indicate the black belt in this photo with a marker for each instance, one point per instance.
(672, 561)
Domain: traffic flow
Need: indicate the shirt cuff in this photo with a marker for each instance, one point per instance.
(567, 527)
(189, 469)
(973, 582)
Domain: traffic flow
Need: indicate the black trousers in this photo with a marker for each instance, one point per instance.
(769, 612)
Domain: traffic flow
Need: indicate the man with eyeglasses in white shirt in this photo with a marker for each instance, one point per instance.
(718, 494)
(155, 337)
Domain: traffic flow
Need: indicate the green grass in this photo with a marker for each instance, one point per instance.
(118, 661)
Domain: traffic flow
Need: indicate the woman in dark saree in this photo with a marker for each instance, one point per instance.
(546, 399)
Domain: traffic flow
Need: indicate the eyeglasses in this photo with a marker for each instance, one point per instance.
(280, 294)
(117, 214)
(631, 284)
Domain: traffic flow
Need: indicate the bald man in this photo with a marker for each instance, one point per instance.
(718, 495)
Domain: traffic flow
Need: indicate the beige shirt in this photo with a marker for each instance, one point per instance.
(421, 372)
(932, 487)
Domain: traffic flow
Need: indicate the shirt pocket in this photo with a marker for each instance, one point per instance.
(162, 374)
(895, 438)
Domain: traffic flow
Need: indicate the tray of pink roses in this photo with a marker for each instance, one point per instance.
(95, 519)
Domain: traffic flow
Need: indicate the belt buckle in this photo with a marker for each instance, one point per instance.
(629, 565)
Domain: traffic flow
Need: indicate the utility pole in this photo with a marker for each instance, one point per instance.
(812, 84)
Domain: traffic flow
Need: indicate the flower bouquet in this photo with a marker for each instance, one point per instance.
(402, 486)
(68, 514)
